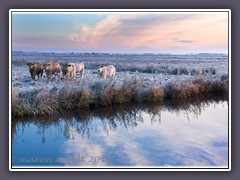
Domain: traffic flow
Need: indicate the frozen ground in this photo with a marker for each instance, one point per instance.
(123, 62)
(150, 69)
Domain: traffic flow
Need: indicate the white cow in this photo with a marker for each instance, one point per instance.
(70, 69)
(107, 71)
(79, 68)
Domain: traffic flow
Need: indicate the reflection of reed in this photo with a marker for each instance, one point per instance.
(195, 106)
(87, 122)
(13, 130)
(155, 114)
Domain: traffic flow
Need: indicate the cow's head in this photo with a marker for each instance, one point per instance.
(30, 65)
(100, 70)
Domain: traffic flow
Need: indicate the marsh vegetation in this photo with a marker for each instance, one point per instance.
(139, 78)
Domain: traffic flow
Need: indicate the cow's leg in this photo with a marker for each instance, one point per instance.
(82, 73)
(59, 76)
(50, 76)
(32, 76)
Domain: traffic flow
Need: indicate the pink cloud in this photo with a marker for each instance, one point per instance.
(127, 31)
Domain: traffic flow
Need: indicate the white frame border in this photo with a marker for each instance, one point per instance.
(122, 168)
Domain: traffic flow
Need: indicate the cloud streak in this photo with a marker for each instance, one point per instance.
(183, 41)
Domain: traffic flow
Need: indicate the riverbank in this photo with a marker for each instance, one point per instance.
(77, 95)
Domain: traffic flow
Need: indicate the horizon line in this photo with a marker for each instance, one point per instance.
(102, 52)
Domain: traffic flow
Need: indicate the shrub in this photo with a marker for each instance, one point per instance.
(85, 98)
(154, 94)
(45, 103)
(224, 78)
(150, 69)
(182, 71)
(202, 84)
(196, 72)
(174, 71)
(213, 71)
(123, 95)
(107, 97)
(178, 71)
(182, 90)
(217, 86)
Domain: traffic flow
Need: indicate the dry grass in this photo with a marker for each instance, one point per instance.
(199, 87)
(155, 94)
(45, 103)
(20, 107)
(107, 97)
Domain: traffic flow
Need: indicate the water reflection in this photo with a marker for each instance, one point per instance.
(126, 134)
(110, 118)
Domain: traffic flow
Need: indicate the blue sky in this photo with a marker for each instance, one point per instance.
(161, 32)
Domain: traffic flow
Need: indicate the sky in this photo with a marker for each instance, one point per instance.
(121, 32)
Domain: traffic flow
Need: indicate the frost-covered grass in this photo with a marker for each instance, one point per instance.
(77, 94)
(138, 79)
(163, 64)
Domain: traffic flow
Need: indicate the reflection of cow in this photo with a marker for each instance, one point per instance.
(68, 70)
(35, 69)
(107, 71)
(80, 68)
(53, 68)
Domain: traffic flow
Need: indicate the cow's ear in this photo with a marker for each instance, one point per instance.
(28, 63)
(101, 66)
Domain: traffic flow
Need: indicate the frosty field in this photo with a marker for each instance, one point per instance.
(139, 78)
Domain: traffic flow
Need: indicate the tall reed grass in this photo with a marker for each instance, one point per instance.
(108, 93)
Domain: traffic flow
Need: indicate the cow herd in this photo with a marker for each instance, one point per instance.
(67, 70)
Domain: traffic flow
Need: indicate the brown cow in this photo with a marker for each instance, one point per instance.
(35, 69)
(53, 68)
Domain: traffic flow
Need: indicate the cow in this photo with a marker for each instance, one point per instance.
(53, 68)
(79, 68)
(107, 71)
(68, 70)
(35, 69)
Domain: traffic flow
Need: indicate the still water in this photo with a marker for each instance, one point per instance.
(172, 134)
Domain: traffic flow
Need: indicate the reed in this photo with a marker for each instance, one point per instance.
(107, 93)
